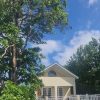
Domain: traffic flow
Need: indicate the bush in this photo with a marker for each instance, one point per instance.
(11, 91)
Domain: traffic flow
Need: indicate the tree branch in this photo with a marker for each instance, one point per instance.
(6, 50)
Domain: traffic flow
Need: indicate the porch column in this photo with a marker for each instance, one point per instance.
(55, 92)
(74, 90)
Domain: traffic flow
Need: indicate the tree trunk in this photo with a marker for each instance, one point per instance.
(14, 64)
(14, 68)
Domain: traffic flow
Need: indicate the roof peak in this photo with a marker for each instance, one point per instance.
(60, 66)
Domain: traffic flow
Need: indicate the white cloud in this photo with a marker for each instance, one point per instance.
(50, 47)
(46, 61)
(81, 38)
(92, 2)
(62, 51)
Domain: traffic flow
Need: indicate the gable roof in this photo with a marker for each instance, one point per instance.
(60, 66)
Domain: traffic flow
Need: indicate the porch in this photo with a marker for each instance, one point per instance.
(55, 92)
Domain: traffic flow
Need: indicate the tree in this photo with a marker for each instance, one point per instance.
(86, 64)
(23, 21)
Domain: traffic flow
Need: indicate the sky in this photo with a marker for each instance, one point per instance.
(84, 18)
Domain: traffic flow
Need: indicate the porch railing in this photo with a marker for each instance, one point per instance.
(50, 98)
(76, 97)
(83, 97)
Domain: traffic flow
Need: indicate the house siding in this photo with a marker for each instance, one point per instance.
(61, 78)
(58, 81)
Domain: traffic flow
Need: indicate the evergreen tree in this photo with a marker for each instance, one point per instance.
(86, 64)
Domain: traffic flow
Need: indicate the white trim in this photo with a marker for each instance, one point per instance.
(62, 68)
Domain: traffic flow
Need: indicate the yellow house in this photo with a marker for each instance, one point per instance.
(58, 83)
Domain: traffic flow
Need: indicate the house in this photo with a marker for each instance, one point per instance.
(58, 83)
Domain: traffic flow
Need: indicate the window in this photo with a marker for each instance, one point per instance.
(71, 90)
(52, 73)
(47, 92)
(60, 91)
(44, 92)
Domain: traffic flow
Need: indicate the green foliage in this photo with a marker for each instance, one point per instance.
(11, 91)
(28, 65)
(23, 22)
(34, 17)
(86, 64)
(9, 34)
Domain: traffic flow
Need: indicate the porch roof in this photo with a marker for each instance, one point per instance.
(57, 81)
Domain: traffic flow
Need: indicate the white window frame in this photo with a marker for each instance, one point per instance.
(59, 91)
(47, 91)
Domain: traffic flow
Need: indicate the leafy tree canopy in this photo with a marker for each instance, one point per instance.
(22, 22)
(86, 64)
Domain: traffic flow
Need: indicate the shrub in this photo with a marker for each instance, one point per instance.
(11, 91)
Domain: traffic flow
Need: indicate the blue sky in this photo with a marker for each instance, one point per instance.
(84, 18)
